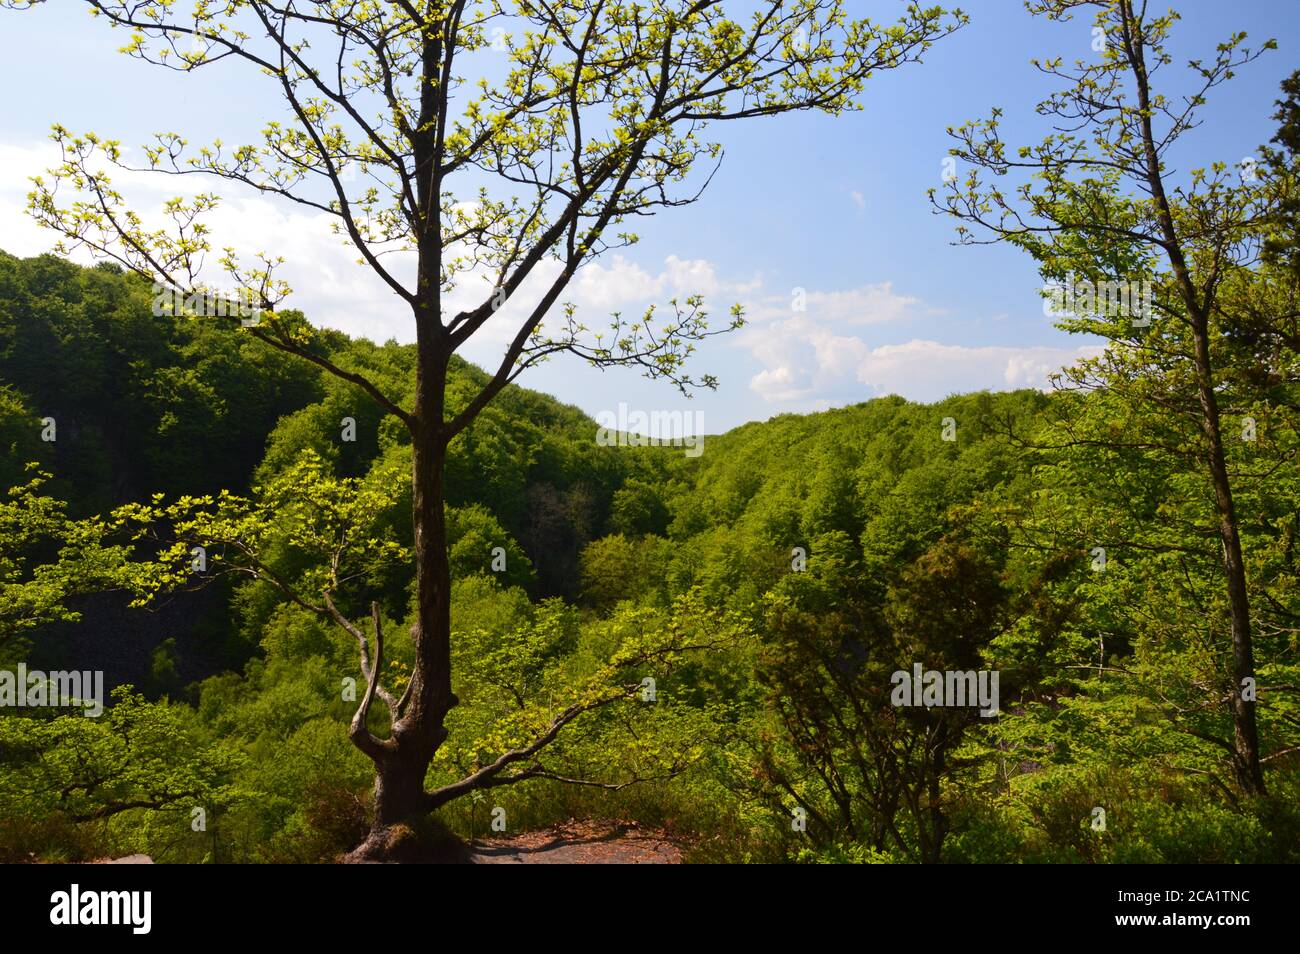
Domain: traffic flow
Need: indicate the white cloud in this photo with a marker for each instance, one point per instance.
(818, 357)
(928, 370)
(601, 288)
(21, 235)
(866, 305)
(618, 282)
(319, 265)
(778, 385)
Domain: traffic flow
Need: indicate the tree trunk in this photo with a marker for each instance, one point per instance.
(399, 791)
(1245, 751)
(416, 736)
(400, 800)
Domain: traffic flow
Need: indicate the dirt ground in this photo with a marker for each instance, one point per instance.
(581, 843)
(569, 843)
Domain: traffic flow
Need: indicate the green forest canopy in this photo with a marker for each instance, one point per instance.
(768, 588)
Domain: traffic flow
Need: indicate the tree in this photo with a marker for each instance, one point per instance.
(862, 768)
(1100, 202)
(141, 755)
(1280, 159)
(599, 116)
(47, 559)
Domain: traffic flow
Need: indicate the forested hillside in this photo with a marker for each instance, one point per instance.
(762, 594)
(274, 593)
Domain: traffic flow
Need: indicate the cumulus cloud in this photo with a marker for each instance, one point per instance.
(22, 236)
(866, 305)
(929, 371)
(618, 282)
(820, 356)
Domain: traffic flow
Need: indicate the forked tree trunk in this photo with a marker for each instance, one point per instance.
(400, 796)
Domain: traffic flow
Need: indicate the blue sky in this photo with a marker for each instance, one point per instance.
(835, 206)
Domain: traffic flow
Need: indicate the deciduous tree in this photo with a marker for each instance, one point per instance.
(510, 141)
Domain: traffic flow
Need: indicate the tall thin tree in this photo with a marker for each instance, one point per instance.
(1099, 200)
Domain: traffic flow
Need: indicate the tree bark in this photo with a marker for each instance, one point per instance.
(1245, 758)
(420, 729)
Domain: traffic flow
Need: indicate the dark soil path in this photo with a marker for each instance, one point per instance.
(580, 843)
